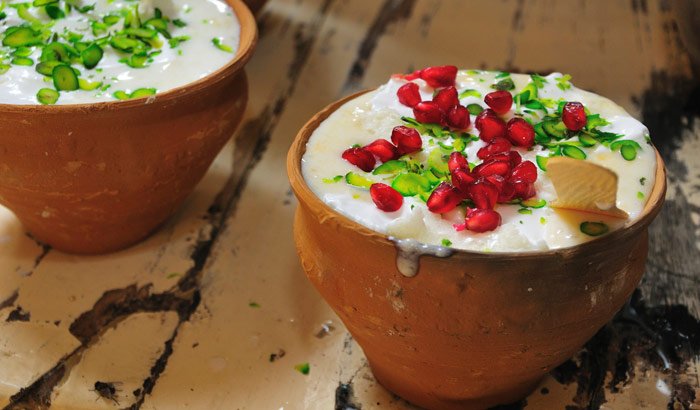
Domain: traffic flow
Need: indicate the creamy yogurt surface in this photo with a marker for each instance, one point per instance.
(160, 45)
(526, 226)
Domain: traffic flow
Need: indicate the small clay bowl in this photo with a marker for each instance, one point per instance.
(95, 178)
(473, 330)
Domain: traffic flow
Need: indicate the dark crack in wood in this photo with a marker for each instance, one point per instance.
(391, 12)
(10, 301)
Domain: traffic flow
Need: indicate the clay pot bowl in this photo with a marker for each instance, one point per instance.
(95, 178)
(473, 330)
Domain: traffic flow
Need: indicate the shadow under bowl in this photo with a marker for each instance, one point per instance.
(96, 178)
(473, 330)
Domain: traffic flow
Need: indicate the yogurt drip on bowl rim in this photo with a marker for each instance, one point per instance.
(196, 39)
(531, 226)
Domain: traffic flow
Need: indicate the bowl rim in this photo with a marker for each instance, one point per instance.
(307, 196)
(248, 38)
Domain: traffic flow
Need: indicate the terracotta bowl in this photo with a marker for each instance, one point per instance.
(95, 178)
(473, 330)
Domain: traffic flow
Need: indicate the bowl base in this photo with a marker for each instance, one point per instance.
(433, 402)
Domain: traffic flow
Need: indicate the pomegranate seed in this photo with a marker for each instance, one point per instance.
(446, 98)
(490, 126)
(520, 132)
(437, 77)
(385, 197)
(407, 140)
(523, 190)
(360, 157)
(409, 95)
(525, 171)
(383, 149)
(444, 199)
(499, 101)
(507, 192)
(482, 220)
(457, 160)
(497, 145)
(515, 158)
(497, 181)
(483, 193)
(574, 116)
(462, 179)
(429, 112)
(458, 118)
(413, 76)
(492, 167)
(485, 113)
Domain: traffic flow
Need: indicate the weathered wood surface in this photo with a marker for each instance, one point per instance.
(214, 311)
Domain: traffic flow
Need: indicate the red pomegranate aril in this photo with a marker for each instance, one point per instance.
(444, 198)
(462, 179)
(429, 112)
(414, 75)
(523, 190)
(482, 220)
(446, 98)
(525, 171)
(407, 140)
(409, 95)
(457, 160)
(385, 197)
(490, 127)
(520, 132)
(497, 145)
(485, 113)
(483, 193)
(458, 118)
(507, 192)
(361, 158)
(383, 149)
(441, 76)
(491, 167)
(574, 116)
(499, 101)
(515, 158)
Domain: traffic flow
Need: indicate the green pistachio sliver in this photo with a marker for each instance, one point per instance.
(46, 67)
(157, 23)
(390, 167)
(23, 61)
(21, 37)
(469, 93)
(4, 68)
(47, 96)
(86, 85)
(594, 228)
(39, 3)
(534, 203)
(143, 92)
(541, 135)
(628, 152)
(541, 162)
(179, 23)
(218, 42)
(54, 12)
(358, 180)
(176, 41)
(573, 152)
(56, 51)
(586, 140)
(525, 211)
(555, 129)
(64, 78)
(3, 15)
(91, 56)
(111, 20)
(475, 109)
(121, 95)
(411, 184)
(22, 52)
(124, 43)
(505, 84)
(141, 32)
